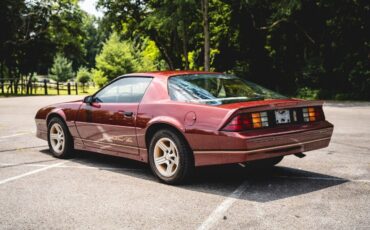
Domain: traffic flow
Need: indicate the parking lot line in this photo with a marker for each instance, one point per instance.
(31, 172)
(221, 209)
(17, 134)
(72, 166)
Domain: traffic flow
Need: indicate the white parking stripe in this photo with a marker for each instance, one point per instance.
(30, 173)
(219, 212)
(15, 135)
(73, 166)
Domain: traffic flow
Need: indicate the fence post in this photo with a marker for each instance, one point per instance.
(76, 87)
(28, 88)
(69, 88)
(45, 87)
(58, 87)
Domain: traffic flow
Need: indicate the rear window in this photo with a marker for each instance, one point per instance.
(216, 89)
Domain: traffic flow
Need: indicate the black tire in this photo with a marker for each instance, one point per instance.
(185, 167)
(68, 140)
(264, 163)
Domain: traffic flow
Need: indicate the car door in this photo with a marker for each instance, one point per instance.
(109, 121)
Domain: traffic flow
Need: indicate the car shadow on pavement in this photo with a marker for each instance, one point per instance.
(261, 185)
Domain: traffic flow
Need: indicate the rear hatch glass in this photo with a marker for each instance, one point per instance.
(217, 89)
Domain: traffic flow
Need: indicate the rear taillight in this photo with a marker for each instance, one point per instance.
(312, 114)
(247, 121)
(239, 123)
(260, 120)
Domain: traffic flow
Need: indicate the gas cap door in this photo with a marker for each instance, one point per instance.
(190, 118)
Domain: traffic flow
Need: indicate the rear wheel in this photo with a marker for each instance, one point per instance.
(59, 139)
(170, 158)
(265, 163)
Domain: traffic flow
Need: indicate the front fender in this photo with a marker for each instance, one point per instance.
(57, 111)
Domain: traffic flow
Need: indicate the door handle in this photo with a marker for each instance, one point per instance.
(127, 113)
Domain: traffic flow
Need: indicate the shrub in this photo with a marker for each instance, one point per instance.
(83, 77)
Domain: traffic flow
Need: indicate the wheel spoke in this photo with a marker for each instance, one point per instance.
(160, 160)
(176, 161)
(59, 129)
(58, 145)
(172, 148)
(169, 168)
(162, 146)
(53, 136)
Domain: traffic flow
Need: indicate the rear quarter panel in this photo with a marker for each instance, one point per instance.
(189, 118)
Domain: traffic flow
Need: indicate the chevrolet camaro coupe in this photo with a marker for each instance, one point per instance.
(179, 120)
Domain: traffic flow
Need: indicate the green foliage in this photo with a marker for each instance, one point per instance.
(83, 75)
(61, 70)
(148, 57)
(319, 47)
(308, 93)
(115, 58)
(98, 77)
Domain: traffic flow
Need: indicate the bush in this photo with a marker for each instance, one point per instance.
(115, 58)
(83, 77)
(308, 93)
(98, 77)
(61, 71)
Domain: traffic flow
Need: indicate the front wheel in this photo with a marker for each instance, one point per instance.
(170, 158)
(59, 139)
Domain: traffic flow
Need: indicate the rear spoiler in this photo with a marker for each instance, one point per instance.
(280, 105)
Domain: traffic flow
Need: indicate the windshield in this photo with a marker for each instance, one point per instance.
(216, 89)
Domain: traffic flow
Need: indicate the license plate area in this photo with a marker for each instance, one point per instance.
(282, 116)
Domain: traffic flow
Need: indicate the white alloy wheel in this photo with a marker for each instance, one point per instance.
(166, 157)
(57, 138)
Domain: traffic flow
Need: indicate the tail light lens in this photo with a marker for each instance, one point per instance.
(247, 121)
(312, 114)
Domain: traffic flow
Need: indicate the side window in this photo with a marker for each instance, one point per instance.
(125, 90)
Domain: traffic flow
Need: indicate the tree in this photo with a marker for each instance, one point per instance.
(61, 70)
(67, 30)
(168, 23)
(34, 31)
(115, 58)
(83, 76)
(205, 6)
(98, 77)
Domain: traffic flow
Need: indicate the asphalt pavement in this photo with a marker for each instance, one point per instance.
(328, 189)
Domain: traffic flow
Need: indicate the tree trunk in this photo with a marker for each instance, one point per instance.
(163, 50)
(206, 34)
(29, 84)
(185, 46)
(2, 77)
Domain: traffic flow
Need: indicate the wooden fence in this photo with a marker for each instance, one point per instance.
(38, 88)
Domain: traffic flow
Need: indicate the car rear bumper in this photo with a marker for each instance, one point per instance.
(250, 148)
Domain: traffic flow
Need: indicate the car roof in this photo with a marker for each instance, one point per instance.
(169, 73)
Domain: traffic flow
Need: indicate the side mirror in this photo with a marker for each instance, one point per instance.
(88, 100)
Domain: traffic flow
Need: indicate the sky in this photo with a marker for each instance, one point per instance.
(89, 7)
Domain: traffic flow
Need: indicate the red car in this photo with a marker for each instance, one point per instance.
(178, 120)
